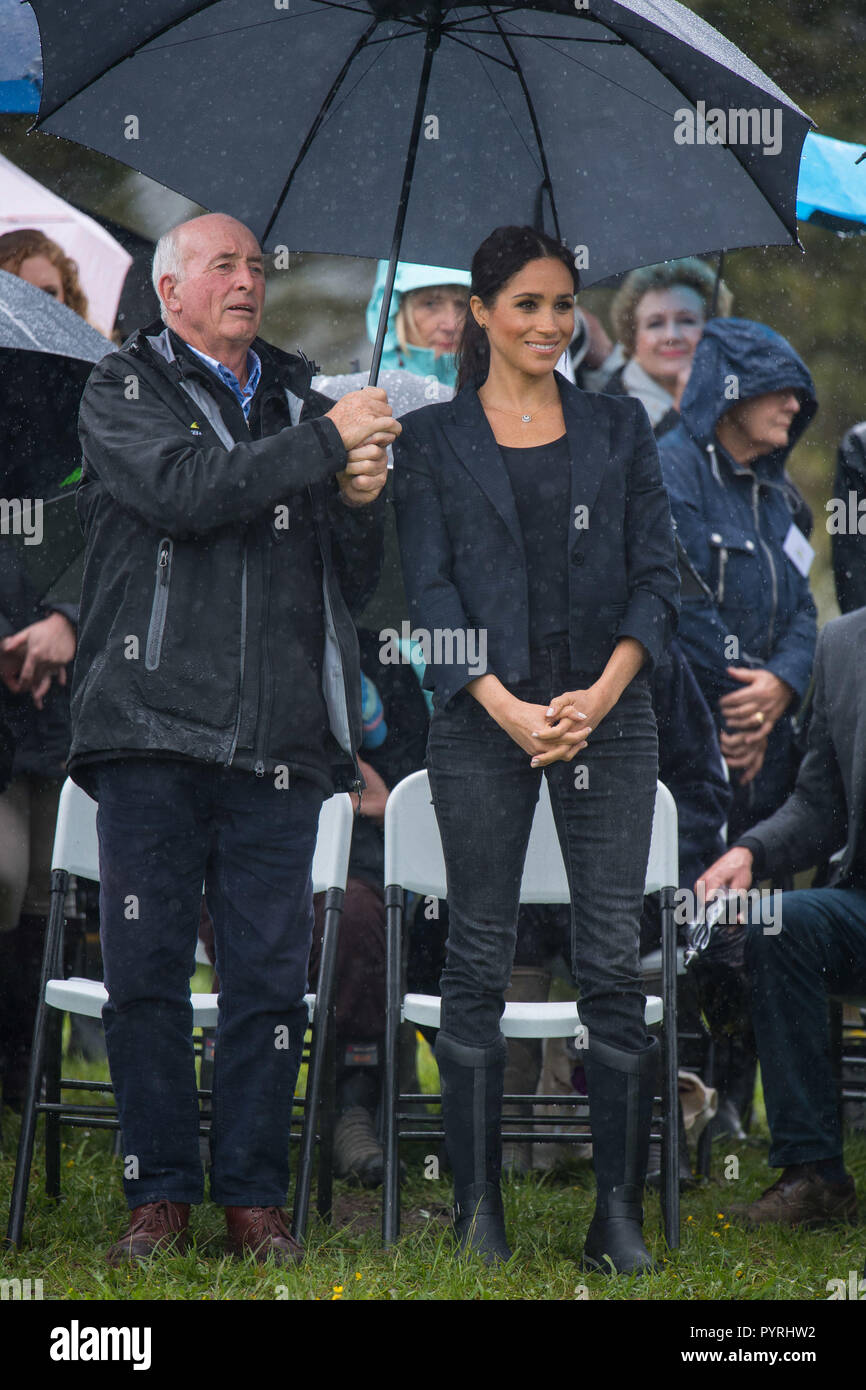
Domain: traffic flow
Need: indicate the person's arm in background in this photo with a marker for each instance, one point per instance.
(807, 828)
(849, 554)
(690, 764)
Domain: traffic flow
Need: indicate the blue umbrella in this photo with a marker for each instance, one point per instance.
(20, 58)
(634, 130)
(832, 187)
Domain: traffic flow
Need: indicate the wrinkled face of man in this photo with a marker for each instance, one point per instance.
(217, 305)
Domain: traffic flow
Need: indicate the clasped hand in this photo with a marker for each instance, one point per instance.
(556, 732)
(750, 715)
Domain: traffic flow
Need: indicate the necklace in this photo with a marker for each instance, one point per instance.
(525, 418)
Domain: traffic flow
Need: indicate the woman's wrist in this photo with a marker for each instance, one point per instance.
(492, 695)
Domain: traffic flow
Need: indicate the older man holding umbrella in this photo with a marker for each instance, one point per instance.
(231, 520)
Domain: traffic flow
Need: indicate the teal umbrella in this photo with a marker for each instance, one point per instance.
(831, 190)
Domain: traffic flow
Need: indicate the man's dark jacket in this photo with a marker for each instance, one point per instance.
(825, 815)
(464, 562)
(849, 559)
(220, 568)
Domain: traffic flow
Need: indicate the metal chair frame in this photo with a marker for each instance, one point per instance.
(414, 862)
(76, 851)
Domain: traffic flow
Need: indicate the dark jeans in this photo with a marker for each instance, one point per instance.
(165, 828)
(820, 950)
(485, 792)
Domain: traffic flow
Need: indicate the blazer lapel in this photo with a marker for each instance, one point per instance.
(589, 447)
(472, 440)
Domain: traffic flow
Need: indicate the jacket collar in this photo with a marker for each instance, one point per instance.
(285, 370)
(473, 441)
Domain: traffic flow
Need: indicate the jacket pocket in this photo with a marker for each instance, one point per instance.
(733, 572)
(159, 608)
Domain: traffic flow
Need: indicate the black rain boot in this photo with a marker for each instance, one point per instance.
(471, 1080)
(621, 1086)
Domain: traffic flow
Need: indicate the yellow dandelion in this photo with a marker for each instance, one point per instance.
(689, 1218)
(357, 1274)
(335, 1297)
(338, 1288)
(739, 1274)
(716, 1234)
(720, 1215)
(727, 1226)
(71, 1163)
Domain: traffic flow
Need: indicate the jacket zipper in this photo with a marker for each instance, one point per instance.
(265, 682)
(773, 577)
(237, 730)
(723, 561)
(156, 629)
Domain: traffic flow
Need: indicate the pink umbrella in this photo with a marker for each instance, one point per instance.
(102, 261)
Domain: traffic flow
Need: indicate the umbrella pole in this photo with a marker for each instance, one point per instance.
(714, 307)
(430, 46)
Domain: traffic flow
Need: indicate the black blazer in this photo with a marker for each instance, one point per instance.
(825, 815)
(464, 564)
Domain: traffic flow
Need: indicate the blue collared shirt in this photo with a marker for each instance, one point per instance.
(244, 394)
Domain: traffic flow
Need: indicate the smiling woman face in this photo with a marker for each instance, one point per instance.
(669, 325)
(531, 321)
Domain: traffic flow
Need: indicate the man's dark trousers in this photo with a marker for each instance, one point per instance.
(166, 827)
(820, 950)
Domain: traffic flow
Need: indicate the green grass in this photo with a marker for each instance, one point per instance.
(547, 1216)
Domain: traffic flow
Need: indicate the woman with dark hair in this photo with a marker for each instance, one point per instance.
(536, 537)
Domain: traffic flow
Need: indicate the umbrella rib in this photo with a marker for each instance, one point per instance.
(245, 28)
(166, 28)
(603, 77)
(317, 124)
(479, 51)
(498, 94)
(535, 126)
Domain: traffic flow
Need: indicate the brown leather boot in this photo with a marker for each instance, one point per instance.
(155, 1225)
(262, 1232)
(801, 1197)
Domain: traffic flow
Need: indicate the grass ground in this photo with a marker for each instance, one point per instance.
(547, 1217)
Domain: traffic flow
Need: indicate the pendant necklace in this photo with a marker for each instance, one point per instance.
(525, 418)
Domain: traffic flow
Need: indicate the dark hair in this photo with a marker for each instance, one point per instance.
(499, 257)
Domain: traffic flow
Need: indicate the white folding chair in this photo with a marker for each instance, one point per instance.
(414, 862)
(76, 851)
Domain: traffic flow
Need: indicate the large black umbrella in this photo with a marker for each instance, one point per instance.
(631, 127)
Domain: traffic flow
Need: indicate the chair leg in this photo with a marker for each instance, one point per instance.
(24, 1159)
(670, 1090)
(390, 1142)
(327, 1121)
(318, 1058)
(53, 1067)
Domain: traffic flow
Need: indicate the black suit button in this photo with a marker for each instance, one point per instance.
(577, 558)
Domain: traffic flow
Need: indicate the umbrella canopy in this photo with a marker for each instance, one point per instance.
(20, 59)
(299, 122)
(46, 353)
(832, 187)
(33, 321)
(102, 261)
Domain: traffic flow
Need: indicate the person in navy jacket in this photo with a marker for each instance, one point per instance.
(540, 570)
(750, 633)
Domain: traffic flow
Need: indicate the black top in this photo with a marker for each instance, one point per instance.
(541, 482)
